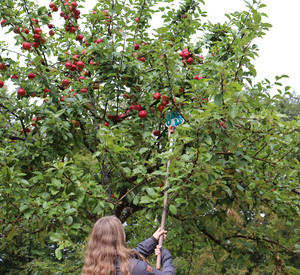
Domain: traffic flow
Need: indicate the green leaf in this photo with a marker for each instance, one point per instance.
(11, 234)
(28, 212)
(136, 200)
(24, 182)
(56, 183)
(158, 172)
(257, 18)
(70, 211)
(55, 237)
(69, 220)
(80, 195)
(151, 192)
(208, 140)
(58, 253)
(145, 199)
(252, 185)
(173, 209)
(240, 187)
(233, 110)
(143, 150)
(127, 171)
(218, 100)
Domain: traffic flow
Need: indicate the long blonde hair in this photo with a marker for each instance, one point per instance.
(107, 241)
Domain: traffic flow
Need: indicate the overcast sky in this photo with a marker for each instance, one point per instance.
(279, 49)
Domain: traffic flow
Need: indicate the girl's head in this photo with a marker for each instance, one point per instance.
(107, 241)
(108, 232)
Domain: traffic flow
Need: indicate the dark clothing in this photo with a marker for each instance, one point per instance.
(140, 267)
(146, 248)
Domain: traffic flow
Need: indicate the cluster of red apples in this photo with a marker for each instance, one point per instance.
(70, 13)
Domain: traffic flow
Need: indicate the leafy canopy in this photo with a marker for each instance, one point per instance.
(82, 136)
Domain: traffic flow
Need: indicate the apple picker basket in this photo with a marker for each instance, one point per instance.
(172, 121)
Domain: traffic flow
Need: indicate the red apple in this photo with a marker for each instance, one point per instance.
(1, 84)
(189, 60)
(139, 107)
(26, 31)
(21, 92)
(75, 123)
(156, 133)
(62, 98)
(35, 44)
(197, 77)
(74, 4)
(14, 76)
(51, 32)
(77, 13)
(26, 46)
(143, 59)
(80, 64)
(160, 108)
(99, 40)
(65, 83)
(31, 76)
(156, 96)
(51, 5)
(38, 30)
(73, 68)
(165, 102)
(137, 19)
(36, 36)
(3, 22)
(50, 26)
(83, 90)
(2, 66)
(79, 37)
(68, 64)
(142, 114)
(136, 46)
(16, 29)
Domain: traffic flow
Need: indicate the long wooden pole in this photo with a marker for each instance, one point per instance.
(165, 205)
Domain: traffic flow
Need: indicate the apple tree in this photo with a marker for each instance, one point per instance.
(84, 100)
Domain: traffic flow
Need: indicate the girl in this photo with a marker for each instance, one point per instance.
(107, 253)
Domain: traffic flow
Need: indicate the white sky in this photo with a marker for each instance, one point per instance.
(278, 50)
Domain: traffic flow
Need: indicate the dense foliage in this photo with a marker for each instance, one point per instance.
(83, 103)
